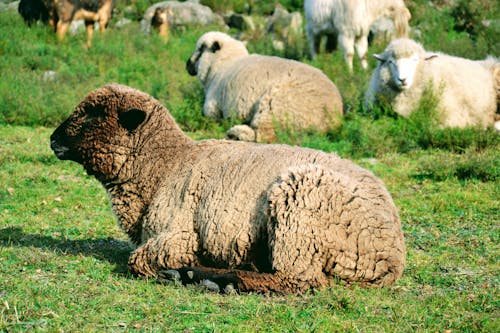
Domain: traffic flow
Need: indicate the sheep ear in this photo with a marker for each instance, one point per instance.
(429, 57)
(215, 47)
(131, 119)
(379, 57)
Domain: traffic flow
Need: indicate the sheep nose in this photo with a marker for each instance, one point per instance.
(190, 67)
(402, 81)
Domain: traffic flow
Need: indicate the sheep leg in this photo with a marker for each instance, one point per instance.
(227, 280)
(346, 43)
(324, 222)
(314, 41)
(165, 251)
(211, 108)
(362, 49)
(241, 133)
(264, 114)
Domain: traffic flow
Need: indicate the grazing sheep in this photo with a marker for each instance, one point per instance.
(465, 88)
(246, 215)
(349, 21)
(60, 14)
(261, 90)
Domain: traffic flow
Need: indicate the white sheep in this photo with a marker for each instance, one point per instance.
(348, 23)
(261, 91)
(261, 217)
(465, 88)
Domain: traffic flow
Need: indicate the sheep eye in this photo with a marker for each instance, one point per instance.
(95, 111)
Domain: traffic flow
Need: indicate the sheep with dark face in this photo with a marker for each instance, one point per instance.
(257, 217)
(261, 91)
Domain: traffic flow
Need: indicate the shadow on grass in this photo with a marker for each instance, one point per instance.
(114, 251)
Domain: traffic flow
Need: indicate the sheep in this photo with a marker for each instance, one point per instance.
(261, 90)
(254, 217)
(348, 22)
(465, 88)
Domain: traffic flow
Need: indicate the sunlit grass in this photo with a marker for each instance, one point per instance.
(63, 259)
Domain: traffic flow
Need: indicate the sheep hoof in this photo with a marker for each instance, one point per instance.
(241, 133)
(218, 283)
(210, 285)
(169, 276)
(229, 289)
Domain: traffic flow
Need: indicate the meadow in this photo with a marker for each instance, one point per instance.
(63, 259)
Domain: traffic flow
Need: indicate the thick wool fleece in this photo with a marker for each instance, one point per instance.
(263, 217)
(262, 91)
(465, 88)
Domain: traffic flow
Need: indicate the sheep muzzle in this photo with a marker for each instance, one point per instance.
(191, 67)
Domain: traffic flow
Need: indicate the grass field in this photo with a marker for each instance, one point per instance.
(63, 259)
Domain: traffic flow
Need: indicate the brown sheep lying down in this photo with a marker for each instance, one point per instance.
(237, 214)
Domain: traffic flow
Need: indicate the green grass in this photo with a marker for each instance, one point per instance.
(63, 259)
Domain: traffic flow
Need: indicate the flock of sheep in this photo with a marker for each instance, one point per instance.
(266, 217)
(261, 90)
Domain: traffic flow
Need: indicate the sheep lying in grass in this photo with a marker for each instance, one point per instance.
(465, 88)
(261, 90)
(349, 21)
(252, 216)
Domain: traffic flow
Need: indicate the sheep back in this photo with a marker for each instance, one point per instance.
(231, 197)
(468, 97)
(289, 92)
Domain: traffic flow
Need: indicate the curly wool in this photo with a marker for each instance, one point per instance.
(265, 217)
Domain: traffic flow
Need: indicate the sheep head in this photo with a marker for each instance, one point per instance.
(103, 131)
(213, 49)
(401, 60)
